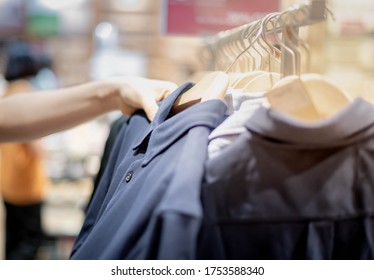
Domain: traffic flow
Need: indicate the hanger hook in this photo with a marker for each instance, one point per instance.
(247, 36)
(278, 24)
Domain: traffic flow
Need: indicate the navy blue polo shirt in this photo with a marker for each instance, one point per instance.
(147, 205)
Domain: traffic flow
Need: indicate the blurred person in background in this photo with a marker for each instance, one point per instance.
(23, 179)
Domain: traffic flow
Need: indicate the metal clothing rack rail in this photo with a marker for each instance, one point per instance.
(286, 23)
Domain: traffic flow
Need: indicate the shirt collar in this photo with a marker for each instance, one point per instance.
(355, 117)
(163, 112)
(163, 132)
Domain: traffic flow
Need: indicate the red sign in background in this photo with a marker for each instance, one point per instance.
(203, 17)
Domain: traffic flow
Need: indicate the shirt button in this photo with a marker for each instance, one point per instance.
(128, 177)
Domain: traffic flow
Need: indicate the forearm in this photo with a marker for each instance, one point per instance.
(34, 115)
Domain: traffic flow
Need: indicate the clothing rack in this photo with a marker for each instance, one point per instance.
(241, 39)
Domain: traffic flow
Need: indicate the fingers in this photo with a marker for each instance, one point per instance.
(163, 88)
(141, 93)
(162, 95)
(171, 86)
(150, 108)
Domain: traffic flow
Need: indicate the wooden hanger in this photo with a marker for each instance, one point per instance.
(237, 80)
(245, 78)
(212, 86)
(263, 82)
(310, 97)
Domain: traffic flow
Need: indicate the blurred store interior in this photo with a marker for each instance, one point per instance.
(95, 39)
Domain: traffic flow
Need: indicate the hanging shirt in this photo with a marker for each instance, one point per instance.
(287, 189)
(240, 107)
(147, 205)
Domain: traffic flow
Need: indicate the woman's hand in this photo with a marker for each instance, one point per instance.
(141, 93)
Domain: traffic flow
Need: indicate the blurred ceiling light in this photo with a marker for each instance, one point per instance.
(106, 35)
(104, 30)
(59, 5)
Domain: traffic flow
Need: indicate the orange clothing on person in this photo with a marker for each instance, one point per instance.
(23, 179)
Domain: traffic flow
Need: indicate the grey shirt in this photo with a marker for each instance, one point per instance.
(287, 189)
